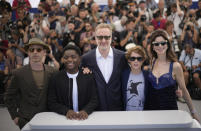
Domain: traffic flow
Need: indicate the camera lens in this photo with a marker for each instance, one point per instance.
(188, 27)
(32, 30)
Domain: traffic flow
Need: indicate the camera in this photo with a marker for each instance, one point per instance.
(176, 46)
(136, 13)
(11, 40)
(190, 15)
(156, 14)
(110, 13)
(12, 25)
(32, 30)
(188, 28)
(183, 8)
(143, 18)
(198, 14)
(123, 4)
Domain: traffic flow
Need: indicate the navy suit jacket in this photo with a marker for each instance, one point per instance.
(125, 77)
(110, 94)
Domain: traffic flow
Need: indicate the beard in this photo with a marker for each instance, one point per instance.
(103, 48)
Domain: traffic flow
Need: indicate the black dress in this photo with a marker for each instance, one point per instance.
(162, 95)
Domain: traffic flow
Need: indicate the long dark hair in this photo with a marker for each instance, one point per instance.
(170, 55)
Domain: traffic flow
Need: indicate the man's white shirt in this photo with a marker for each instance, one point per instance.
(105, 64)
(75, 91)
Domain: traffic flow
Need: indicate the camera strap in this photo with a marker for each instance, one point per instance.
(174, 15)
(190, 59)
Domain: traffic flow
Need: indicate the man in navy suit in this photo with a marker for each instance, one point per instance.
(107, 64)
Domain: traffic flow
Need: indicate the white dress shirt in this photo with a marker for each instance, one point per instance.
(75, 91)
(105, 64)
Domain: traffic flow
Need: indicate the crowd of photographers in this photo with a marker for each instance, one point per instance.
(133, 21)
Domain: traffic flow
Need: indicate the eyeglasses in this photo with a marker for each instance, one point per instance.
(105, 37)
(159, 43)
(37, 49)
(135, 58)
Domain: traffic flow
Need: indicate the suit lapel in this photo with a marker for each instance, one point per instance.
(46, 76)
(116, 60)
(95, 65)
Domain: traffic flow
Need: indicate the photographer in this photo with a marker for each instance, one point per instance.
(87, 38)
(30, 32)
(95, 14)
(128, 36)
(147, 12)
(61, 26)
(70, 36)
(47, 23)
(176, 17)
(146, 37)
(192, 18)
(119, 25)
(36, 25)
(190, 60)
(140, 28)
(169, 27)
(158, 22)
(151, 4)
(12, 62)
(55, 45)
(109, 5)
(111, 16)
(79, 22)
(52, 18)
(5, 26)
(189, 34)
(16, 44)
(21, 5)
(198, 14)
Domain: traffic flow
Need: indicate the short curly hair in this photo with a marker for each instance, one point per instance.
(137, 49)
(72, 47)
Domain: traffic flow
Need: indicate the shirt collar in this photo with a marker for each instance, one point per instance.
(98, 54)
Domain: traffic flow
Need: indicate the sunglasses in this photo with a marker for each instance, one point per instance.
(105, 37)
(135, 58)
(159, 43)
(37, 49)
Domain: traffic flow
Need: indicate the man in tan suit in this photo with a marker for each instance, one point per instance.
(27, 93)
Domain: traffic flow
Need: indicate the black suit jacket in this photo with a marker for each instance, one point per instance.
(110, 94)
(60, 93)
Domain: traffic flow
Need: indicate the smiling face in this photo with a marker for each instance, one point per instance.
(71, 60)
(103, 38)
(160, 45)
(135, 60)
